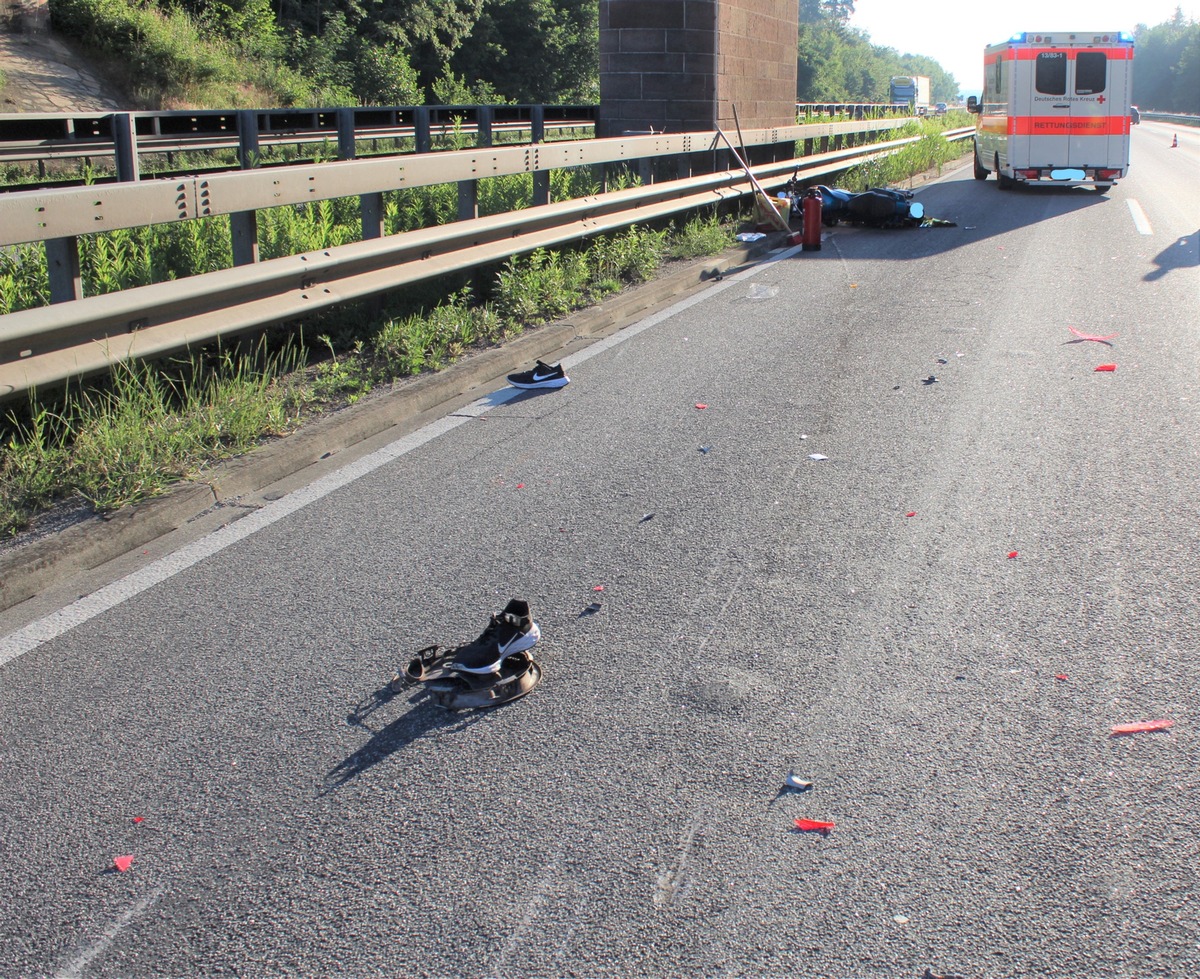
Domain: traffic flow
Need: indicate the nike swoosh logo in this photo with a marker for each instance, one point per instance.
(543, 377)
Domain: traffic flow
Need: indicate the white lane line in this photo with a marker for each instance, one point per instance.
(57, 623)
(75, 969)
(1140, 221)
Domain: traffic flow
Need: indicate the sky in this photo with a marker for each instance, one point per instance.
(955, 33)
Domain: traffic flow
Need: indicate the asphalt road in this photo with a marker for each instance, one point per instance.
(937, 624)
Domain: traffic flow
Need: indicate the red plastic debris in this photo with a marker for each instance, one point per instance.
(1105, 367)
(598, 588)
(138, 819)
(1092, 336)
(123, 863)
(813, 826)
(1013, 554)
(911, 513)
(520, 485)
(1139, 726)
(1060, 676)
(701, 407)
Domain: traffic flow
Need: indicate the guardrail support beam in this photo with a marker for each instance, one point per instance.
(371, 209)
(125, 146)
(62, 264)
(243, 232)
(541, 178)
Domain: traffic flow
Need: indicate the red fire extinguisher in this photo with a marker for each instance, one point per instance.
(810, 208)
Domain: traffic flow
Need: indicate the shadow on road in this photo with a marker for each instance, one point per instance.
(1181, 254)
(420, 720)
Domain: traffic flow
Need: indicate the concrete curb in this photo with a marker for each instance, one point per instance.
(27, 569)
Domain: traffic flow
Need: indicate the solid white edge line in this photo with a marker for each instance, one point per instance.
(57, 623)
(1140, 221)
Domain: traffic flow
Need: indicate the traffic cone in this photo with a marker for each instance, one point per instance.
(1175, 142)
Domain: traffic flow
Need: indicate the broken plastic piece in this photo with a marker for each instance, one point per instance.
(1012, 554)
(817, 457)
(645, 517)
(598, 588)
(750, 236)
(701, 407)
(1060, 676)
(796, 783)
(1140, 726)
(123, 863)
(520, 485)
(911, 513)
(813, 826)
(592, 609)
(1105, 367)
(931, 379)
(1092, 336)
(137, 819)
(706, 449)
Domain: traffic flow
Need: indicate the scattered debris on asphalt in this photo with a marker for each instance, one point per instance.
(1091, 336)
(705, 449)
(1061, 676)
(1109, 368)
(645, 517)
(750, 236)
(794, 783)
(931, 379)
(1013, 554)
(817, 457)
(813, 826)
(123, 863)
(591, 609)
(1139, 727)
(700, 407)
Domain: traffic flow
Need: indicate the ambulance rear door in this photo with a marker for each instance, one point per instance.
(1099, 100)
(1045, 115)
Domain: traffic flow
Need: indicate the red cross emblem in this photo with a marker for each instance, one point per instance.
(1100, 100)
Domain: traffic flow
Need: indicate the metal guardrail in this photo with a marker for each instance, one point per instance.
(40, 347)
(1176, 117)
(48, 137)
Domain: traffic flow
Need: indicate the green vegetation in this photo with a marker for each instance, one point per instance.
(1166, 73)
(104, 446)
(931, 151)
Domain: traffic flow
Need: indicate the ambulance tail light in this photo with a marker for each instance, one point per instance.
(1107, 174)
(1028, 174)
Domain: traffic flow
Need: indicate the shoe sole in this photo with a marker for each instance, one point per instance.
(558, 382)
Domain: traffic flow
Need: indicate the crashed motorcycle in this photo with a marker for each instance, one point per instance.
(878, 207)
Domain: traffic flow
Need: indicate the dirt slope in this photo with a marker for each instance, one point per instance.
(42, 72)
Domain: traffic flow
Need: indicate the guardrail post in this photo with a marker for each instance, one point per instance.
(541, 178)
(485, 117)
(125, 146)
(468, 200)
(243, 225)
(370, 206)
(421, 129)
(62, 263)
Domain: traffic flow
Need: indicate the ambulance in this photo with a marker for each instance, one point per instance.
(1055, 110)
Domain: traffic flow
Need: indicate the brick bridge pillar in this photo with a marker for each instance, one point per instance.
(683, 65)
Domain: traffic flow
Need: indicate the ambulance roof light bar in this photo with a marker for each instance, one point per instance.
(1021, 37)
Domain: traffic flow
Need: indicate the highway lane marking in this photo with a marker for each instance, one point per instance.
(1140, 221)
(75, 969)
(57, 623)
